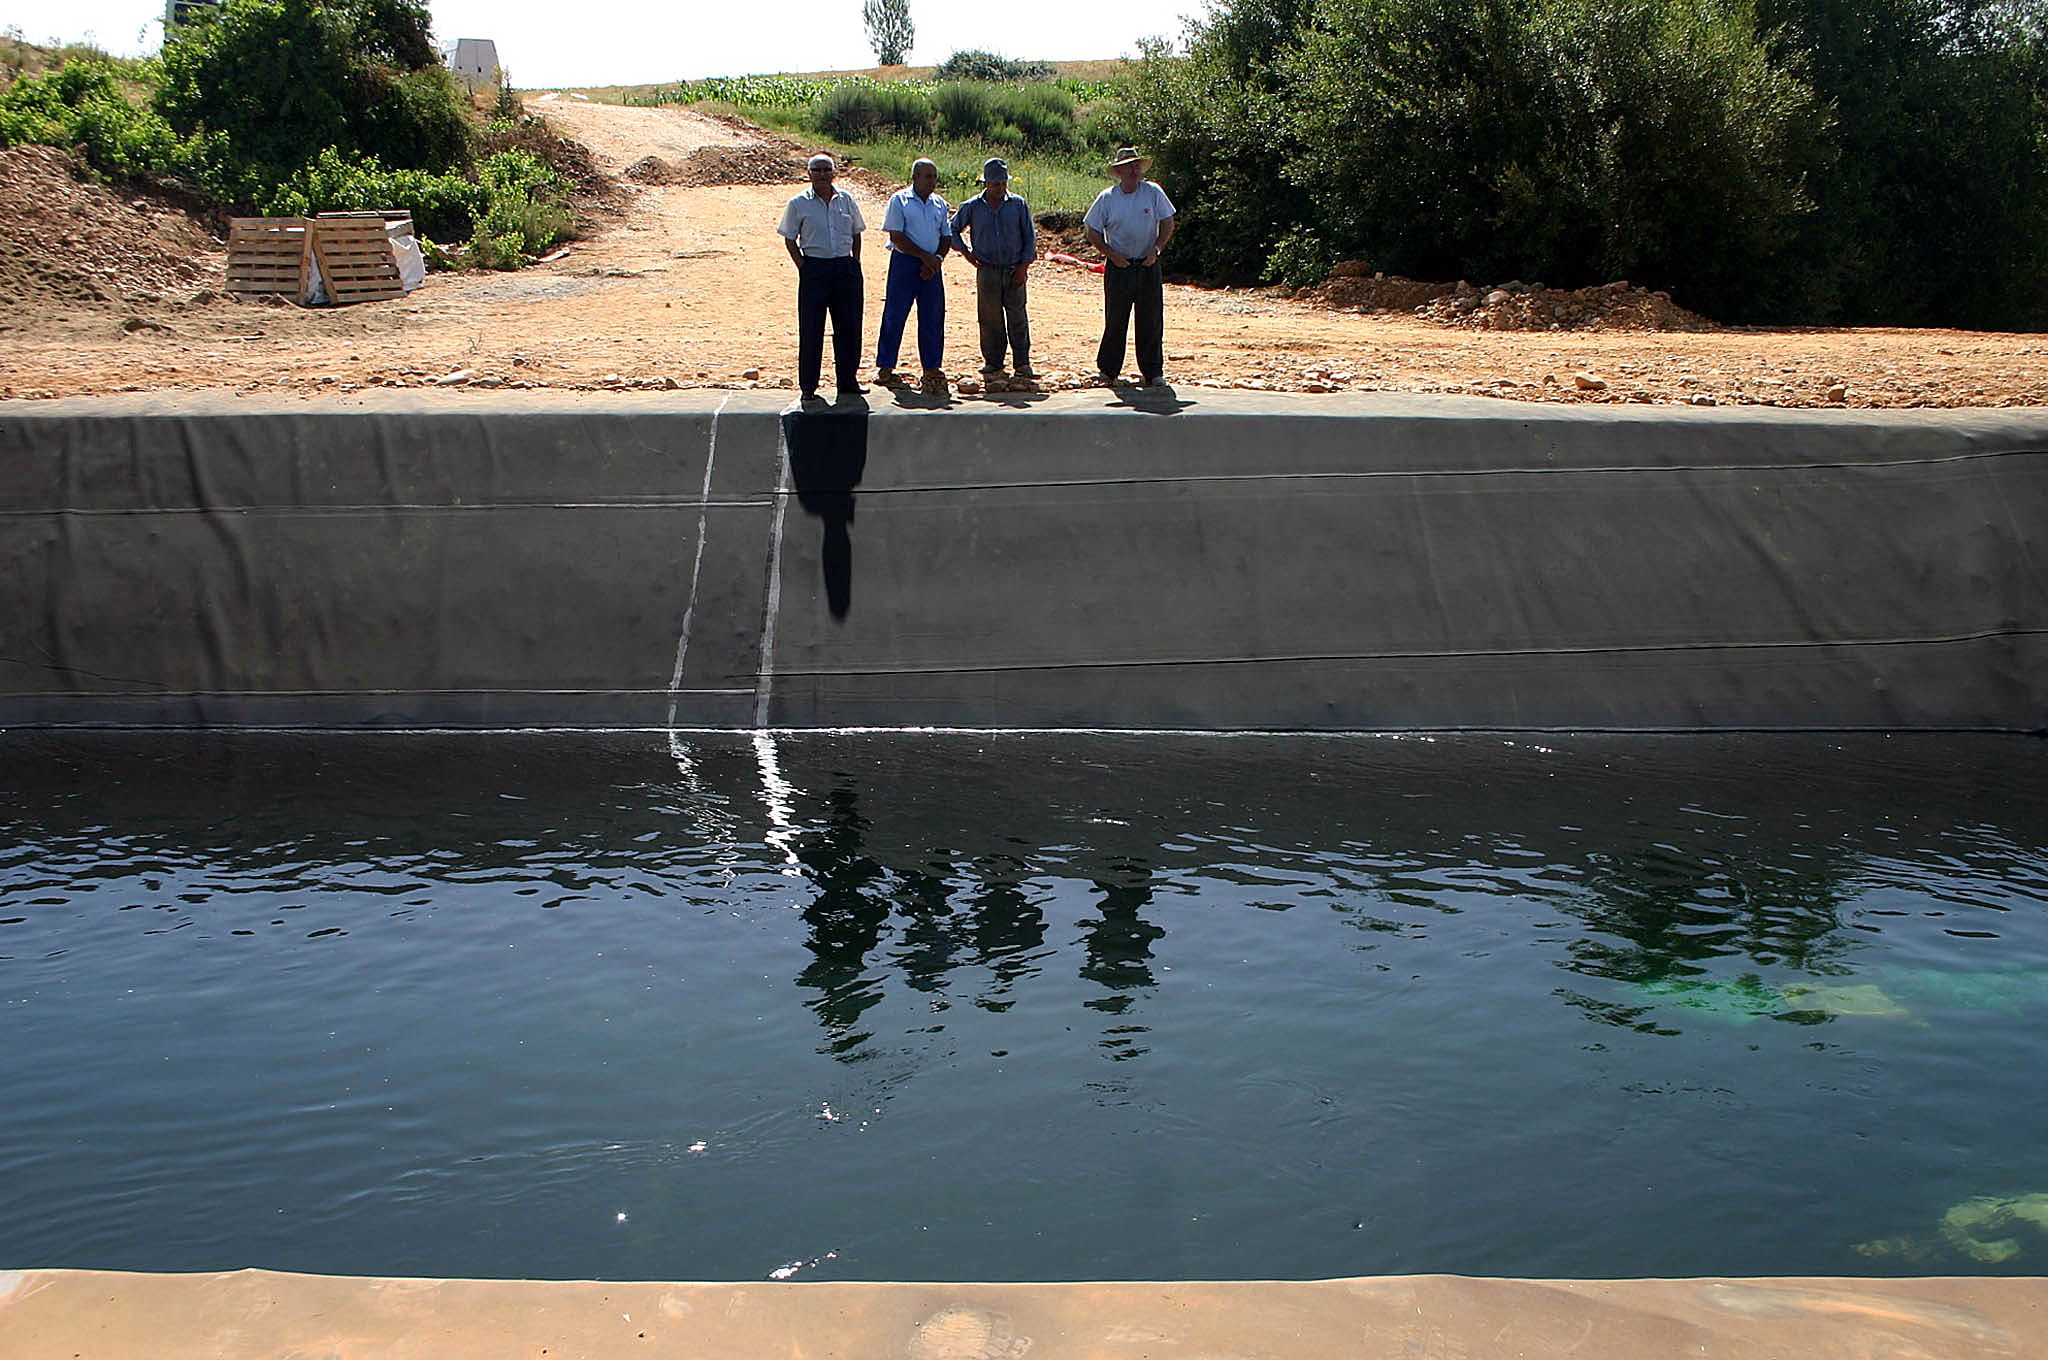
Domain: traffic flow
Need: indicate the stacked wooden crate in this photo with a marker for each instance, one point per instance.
(271, 255)
(268, 255)
(354, 252)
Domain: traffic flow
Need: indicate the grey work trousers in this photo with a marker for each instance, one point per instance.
(999, 307)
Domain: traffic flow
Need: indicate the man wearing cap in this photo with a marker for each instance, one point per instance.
(821, 228)
(1131, 221)
(997, 236)
(920, 228)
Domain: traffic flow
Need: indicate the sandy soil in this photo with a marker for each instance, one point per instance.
(690, 287)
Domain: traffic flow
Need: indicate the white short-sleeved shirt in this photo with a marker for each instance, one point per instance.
(824, 230)
(1130, 222)
(926, 221)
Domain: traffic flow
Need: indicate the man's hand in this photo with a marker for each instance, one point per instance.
(929, 267)
(1119, 261)
(1017, 279)
(971, 258)
(1150, 260)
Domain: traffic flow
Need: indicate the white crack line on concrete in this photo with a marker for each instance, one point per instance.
(675, 680)
(764, 689)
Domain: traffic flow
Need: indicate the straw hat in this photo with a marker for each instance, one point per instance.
(1129, 156)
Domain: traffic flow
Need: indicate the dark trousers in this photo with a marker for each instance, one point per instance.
(905, 287)
(828, 287)
(1136, 286)
(999, 308)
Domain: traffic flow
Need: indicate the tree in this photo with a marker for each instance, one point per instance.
(280, 80)
(890, 31)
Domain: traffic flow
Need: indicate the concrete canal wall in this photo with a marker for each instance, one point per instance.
(46, 1314)
(697, 559)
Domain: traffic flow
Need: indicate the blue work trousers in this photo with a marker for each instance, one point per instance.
(904, 288)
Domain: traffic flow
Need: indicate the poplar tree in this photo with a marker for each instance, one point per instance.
(890, 31)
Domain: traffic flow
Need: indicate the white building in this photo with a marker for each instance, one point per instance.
(475, 61)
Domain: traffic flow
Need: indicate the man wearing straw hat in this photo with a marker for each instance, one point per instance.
(997, 236)
(821, 228)
(1131, 221)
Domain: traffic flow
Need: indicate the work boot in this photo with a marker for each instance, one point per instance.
(886, 377)
(934, 382)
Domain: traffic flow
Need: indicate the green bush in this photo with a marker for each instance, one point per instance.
(1567, 140)
(1301, 258)
(964, 109)
(81, 105)
(282, 80)
(1043, 116)
(856, 113)
(511, 211)
(1768, 160)
(987, 66)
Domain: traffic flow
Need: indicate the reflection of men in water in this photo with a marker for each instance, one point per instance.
(845, 921)
(1119, 942)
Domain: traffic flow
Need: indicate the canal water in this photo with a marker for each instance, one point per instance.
(941, 1006)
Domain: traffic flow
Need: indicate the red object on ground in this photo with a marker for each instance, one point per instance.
(1057, 258)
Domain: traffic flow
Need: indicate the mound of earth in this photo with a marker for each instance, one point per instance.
(710, 166)
(1515, 306)
(66, 240)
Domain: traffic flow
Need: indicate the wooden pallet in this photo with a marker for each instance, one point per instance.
(268, 255)
(356, 263)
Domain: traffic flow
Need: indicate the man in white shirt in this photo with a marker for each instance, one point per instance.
(1131, 221)
(920, 230)
(821, 228)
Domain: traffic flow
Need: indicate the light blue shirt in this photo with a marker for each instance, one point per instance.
(1130, 222)
(926, 221)
(823, 230)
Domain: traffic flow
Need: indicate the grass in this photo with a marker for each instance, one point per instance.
(1048, 184)
(1114, 68)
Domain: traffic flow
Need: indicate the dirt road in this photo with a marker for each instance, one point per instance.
(691, 288)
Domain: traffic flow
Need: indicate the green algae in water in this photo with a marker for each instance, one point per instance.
(1741, 1001)
(1981, 1228)
(2004, 991)
(1748, 998)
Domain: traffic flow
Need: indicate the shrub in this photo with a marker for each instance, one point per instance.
(81, 105)
(1783, 160)
(1043, 116)
(1300, 259)
(855, 113)
(1561, 139)
(511, 211)
(283, 79)
(962, 109)
(987, 66)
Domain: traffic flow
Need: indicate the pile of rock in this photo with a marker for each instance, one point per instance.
(1514, 306)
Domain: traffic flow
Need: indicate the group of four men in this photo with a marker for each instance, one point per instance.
(1130, 223)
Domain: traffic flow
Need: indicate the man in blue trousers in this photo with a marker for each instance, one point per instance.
(920, 230)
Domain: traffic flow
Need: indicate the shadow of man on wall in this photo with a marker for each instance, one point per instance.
(828, 452)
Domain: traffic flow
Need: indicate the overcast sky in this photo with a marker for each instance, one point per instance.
(629, 42)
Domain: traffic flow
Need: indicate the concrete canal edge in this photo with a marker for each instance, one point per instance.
(1196, 561)
(53, 1314)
